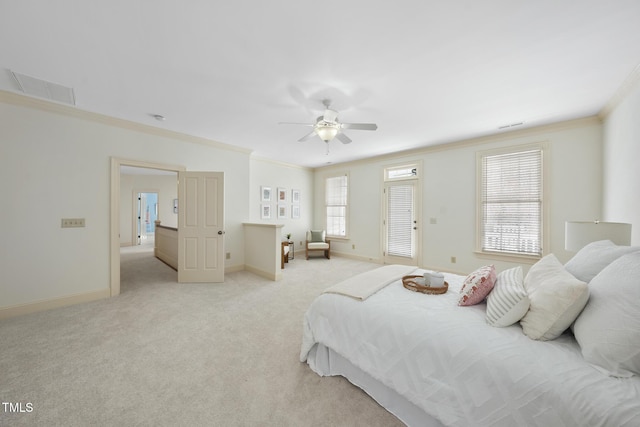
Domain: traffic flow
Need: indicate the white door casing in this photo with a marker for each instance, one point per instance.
(401, 220)
(141, 230)
(200, 226)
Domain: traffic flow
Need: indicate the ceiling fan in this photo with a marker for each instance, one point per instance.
(328, 127)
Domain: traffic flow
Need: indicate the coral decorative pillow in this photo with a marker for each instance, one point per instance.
(477, 285)
(608, 330)
(557, 298)
(508, 301)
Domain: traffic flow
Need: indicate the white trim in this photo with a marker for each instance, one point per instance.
(114, 219)
(503, 136)
(402, 165)
(347, 210)
(543, 146)
(19, 310)
(623, 91)
(66, 110)
(418, 200)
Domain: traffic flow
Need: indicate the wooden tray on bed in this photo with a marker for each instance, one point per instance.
(412, 283)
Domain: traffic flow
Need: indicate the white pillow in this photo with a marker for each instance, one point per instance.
(557, 298)
(595, 256)
(508, 301)
(608, 330)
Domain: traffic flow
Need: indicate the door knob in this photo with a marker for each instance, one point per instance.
(221, 232)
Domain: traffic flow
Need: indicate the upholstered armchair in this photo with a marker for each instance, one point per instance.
(317, 241)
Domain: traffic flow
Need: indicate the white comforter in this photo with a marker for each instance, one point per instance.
(446, 360)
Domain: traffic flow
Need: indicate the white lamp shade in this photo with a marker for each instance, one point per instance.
(577, 234)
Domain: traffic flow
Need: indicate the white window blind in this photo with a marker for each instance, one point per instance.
(400, 221)
(511, 198)
(336, 193)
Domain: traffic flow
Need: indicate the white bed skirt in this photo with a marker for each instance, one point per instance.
(326, 362)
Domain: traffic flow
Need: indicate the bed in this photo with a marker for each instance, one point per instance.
(432, 362)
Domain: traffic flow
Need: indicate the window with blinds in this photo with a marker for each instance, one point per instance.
(511, 202)
(336, 199)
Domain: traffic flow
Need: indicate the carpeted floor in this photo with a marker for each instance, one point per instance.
(169, 354)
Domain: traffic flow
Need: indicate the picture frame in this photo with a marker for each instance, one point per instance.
(295, 196)
(282, 195)
(295, 211)
(282, 211)
(265, 211)
(265, 193)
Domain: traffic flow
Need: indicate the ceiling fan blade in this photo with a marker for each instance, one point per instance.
(293, 123)
(330, 115)
(307, 136)
(343, 138)
(360, 126)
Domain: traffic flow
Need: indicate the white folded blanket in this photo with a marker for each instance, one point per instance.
(363, 285)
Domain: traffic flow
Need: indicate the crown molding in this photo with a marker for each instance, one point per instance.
(481, 140)
(280, 163)
(623, 91)
(71, 111)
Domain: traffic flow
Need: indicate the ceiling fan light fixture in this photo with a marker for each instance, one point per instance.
(326, 132)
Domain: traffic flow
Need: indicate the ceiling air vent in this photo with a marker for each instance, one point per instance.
(44, 89)
(510, 125)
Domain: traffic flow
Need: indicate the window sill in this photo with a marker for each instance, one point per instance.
(526, 259)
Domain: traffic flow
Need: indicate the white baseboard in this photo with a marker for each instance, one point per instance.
(265, 274)
(19, 310)
(357, 257)
(233, 269)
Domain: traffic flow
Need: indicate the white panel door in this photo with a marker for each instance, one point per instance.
(201, 227)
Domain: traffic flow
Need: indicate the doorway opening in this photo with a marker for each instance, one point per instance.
(118, 233)
(146, 216)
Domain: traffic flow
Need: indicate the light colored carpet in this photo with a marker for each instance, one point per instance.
(169, 354)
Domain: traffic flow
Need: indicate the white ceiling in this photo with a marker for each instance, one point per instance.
(427, 72)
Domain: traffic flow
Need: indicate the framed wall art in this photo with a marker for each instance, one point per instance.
(282, 211)
(265, 211)
(282, 195)
(265, 194)
(295, 196)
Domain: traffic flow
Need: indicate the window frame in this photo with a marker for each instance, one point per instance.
(346, 206)
(542, 147)
(413, 166)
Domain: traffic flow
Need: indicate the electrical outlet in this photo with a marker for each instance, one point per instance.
(353, 246)
(228, 255)
(72, 222)
(453, 260)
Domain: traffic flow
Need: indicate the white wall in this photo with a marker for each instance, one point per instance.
(55, 163)
(273, 174)
(130, 185)
(449, 194)
(621, 163)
